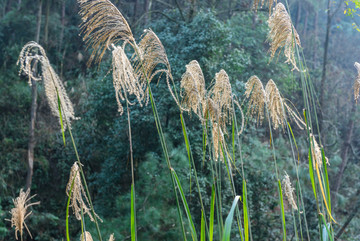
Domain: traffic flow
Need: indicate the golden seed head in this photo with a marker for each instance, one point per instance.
(275, 105)
(193, 89)
(125, 81)
(87, 237)
(289, 191)
(254, 91)
(283, 34)
(357, 82)
(218, 139)
(102, 25)
(31, 54)
(19, 212)
(316, 154)
(77, 193)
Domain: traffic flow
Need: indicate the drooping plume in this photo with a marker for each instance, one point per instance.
(283, 34)
(19, 213)
(33, 53)
(357, 82)
(221, 95)
(289, 191)
(87, 237)
(193, 89)
(150, 60)
(275, 105)
(316, 155)
(254, 91)
(102, 25)
(77, 193)
(125, 81)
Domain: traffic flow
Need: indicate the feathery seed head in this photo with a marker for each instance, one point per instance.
(275, 105)
(125, 81)
(193, 89)
(289, 190)
(150, 53)
(357, 82)
(257, 4)
(316, 154)
(87, 237)
(111, 238)
(218, 139)
(77, 193)
(19, 212)
(254, 91)
(221, 95)
(54, 87)
(283, 34)
(102, 25)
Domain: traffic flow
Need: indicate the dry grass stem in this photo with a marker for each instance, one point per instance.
(283, 34)
(289, 191)
(357, 82)
(124, 79)
(19, 212)
(316, 153)
(193, 89)
(149, 54)
(77, 193)
(102, 25)
(255, 92)
(30, 55)
(87, 237)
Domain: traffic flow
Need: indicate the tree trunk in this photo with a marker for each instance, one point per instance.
(32, 140)
(19, 5)
(298, 14)
(345, 150)
(62, 25)
(348, 220)
(46, 30)
(305, 23)
(135, 11)
(316, 20)
(146, 11)
(323, 75)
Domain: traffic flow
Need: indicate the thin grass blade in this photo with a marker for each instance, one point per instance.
(282, 211)
(133, 218)
(61, 119)
(212, 209)
(245, 210)
(229, 220)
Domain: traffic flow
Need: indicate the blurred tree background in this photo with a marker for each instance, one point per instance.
(225, 35)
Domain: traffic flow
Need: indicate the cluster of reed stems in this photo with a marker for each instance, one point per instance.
(104, 28)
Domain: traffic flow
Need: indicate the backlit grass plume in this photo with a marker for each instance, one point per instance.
(193, 89)
(75, 187)
(125, 81)
(283, 34)
(19, 213)
(255, 92)
(222, 96)
(218, 140)
(111, 238)
(149, 55)
(275, 105)
(289, 191)
(33, 53)
(87, 237)
(357, 82)
(316, 153)
(102, 25)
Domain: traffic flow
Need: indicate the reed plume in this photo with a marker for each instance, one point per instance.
(102, 25)
(125, 81)
(193, 90)
(87, 237)
(257, 4)
(218, 140)
(275, 105)
(19, 212)
(357, 82)
(283, 34)
(316, 154)
(289, 191)
(221, 94)
(111, 238)
(254, 91)
(76, 189)
(30, 55)
(149, 54)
